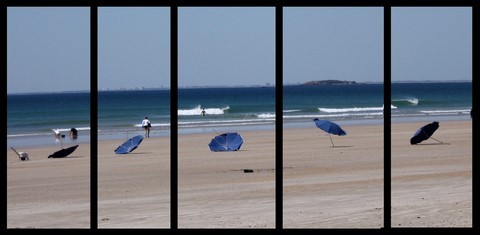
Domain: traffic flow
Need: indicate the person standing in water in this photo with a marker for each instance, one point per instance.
(58, 135)
(146, 125)
(203, 112)
(73, 133)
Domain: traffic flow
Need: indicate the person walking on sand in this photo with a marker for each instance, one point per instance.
(146, 125)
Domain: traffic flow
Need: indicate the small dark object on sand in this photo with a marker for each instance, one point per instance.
(247, 171)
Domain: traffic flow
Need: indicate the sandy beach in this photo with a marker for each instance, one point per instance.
(431, 181)
(324, 187)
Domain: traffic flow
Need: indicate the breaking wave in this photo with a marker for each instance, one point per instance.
(411, 101)
(198, 111)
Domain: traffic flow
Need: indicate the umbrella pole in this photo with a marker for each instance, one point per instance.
(15, 151)
(436, 140)
(331, 140)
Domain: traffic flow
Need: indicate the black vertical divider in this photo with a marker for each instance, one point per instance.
(173, 117)
(279, 116)
(387, 88)
(3, 87)
(93, 116)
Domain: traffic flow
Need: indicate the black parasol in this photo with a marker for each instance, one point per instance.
(63, 152)
(425, 133)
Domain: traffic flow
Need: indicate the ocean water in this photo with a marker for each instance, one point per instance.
(227, 109)
(431, 100)
(31, 118)
(120, 113)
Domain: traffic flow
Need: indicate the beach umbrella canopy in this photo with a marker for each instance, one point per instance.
(63, 152)
(424, 133)
(231, 141)
(330, 128)
(129, 145)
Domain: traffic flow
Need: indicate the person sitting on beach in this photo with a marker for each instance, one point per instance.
(73, 133)
(146, 125)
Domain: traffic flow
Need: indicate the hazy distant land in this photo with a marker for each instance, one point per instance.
(329, 82)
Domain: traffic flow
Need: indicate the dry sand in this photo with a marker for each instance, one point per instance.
(324, 187)
(332, 187)
(432, 182)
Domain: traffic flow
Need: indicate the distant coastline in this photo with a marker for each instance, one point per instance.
(311, 83)
(328, 82)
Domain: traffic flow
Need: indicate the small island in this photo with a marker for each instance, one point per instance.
(328, 82)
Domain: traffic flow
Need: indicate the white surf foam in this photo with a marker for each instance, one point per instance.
(198, 111)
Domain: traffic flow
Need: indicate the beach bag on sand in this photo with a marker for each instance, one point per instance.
(23, 156)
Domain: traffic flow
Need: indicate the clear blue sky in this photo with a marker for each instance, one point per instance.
(49, 48)
(433, 43)
(226, 46)
(333, 43)
(133, 47)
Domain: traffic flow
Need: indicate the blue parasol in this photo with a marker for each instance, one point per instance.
(330, 128)
(129, 145)
(226, 142)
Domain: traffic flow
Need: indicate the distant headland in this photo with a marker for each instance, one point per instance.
(329, 82)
